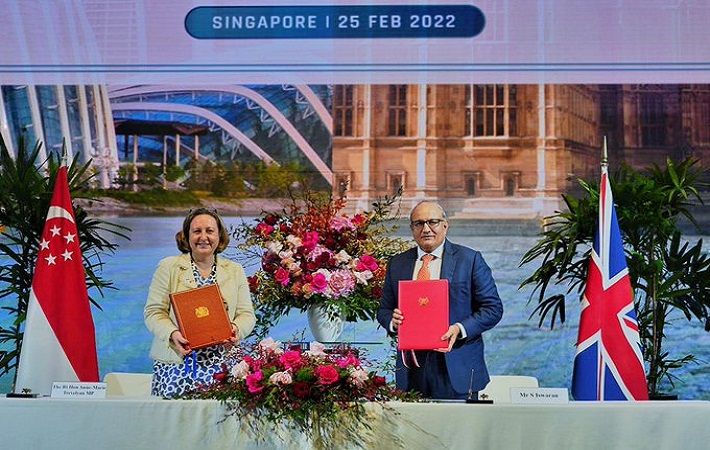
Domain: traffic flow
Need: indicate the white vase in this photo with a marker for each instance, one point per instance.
(325, 328)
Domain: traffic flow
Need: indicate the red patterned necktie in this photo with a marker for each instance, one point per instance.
(424, 273)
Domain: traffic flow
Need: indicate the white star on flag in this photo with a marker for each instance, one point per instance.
(69, 237)
(55, 230)
(50, 259)
(44, 245)
(67, 255)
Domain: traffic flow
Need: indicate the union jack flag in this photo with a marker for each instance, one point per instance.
(608, 364)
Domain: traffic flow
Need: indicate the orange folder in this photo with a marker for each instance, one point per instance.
(425, 306)
(201, 316)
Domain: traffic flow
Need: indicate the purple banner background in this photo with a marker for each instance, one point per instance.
(527, 41)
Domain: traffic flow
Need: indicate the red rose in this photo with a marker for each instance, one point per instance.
(323, 258)
(220, 377)
(301, 389)
(359, 219)
(281, 276)
(291, 360)
(327, 375)
(379, 381)
(284, 228)
(264, 229)
(271, 219)
(377, 292)
(253, 283)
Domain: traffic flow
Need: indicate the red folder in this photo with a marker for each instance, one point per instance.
(201, 316)
(425, 306)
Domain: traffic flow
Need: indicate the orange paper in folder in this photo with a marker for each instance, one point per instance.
(425, 306)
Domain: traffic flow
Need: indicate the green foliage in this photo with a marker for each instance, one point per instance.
(235, 179)
(666, 272)
(26, 186)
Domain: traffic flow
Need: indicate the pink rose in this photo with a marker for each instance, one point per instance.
(358, 377)
(316, 349)
(348, 361)
(270, 345)
(367, 262)
(310, 240)
(281, 276)
(281, 378)
(341, 282)
(254, 382)
(327, 375)
(319, 282)
(291, 360)
(341, 223)
(240, 371)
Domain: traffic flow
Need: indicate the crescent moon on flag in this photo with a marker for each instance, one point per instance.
(59, 212)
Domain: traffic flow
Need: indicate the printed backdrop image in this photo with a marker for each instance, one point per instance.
(475, 148)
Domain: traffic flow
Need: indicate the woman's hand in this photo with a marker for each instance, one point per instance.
(235, 336)
(180, 342)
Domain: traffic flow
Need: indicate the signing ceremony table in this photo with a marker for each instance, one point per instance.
(189, 424)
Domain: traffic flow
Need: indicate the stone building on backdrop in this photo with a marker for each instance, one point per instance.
(502, 150)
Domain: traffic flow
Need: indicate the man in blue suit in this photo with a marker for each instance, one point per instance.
(474, 307)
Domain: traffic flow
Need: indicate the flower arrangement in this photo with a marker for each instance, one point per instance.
(313, 254)
(319, 392)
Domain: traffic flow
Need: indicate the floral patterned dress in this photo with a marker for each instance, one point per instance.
(197, 369)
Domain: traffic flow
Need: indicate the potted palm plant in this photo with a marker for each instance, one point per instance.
(668, 274)
(25, 191)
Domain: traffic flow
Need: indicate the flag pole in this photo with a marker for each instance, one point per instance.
(64, 153)
(605, 159)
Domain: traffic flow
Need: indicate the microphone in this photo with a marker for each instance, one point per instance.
(473, 395)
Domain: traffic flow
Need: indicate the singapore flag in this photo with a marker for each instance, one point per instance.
(59, 340)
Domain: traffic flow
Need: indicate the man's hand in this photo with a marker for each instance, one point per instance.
(397, 318)
(451, 335)
(180, 342)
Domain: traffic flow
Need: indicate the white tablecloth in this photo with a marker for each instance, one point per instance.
(176, 424)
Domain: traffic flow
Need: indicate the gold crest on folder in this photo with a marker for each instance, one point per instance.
(201, 312)
(423, 301)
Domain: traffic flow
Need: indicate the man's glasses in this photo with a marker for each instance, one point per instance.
(433, 223)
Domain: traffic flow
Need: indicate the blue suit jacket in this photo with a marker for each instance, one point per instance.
(473, 302)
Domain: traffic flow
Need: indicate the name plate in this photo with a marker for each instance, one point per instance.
(78, 390)
(539, 395)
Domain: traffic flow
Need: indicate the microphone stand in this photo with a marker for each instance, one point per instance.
(470, 398)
